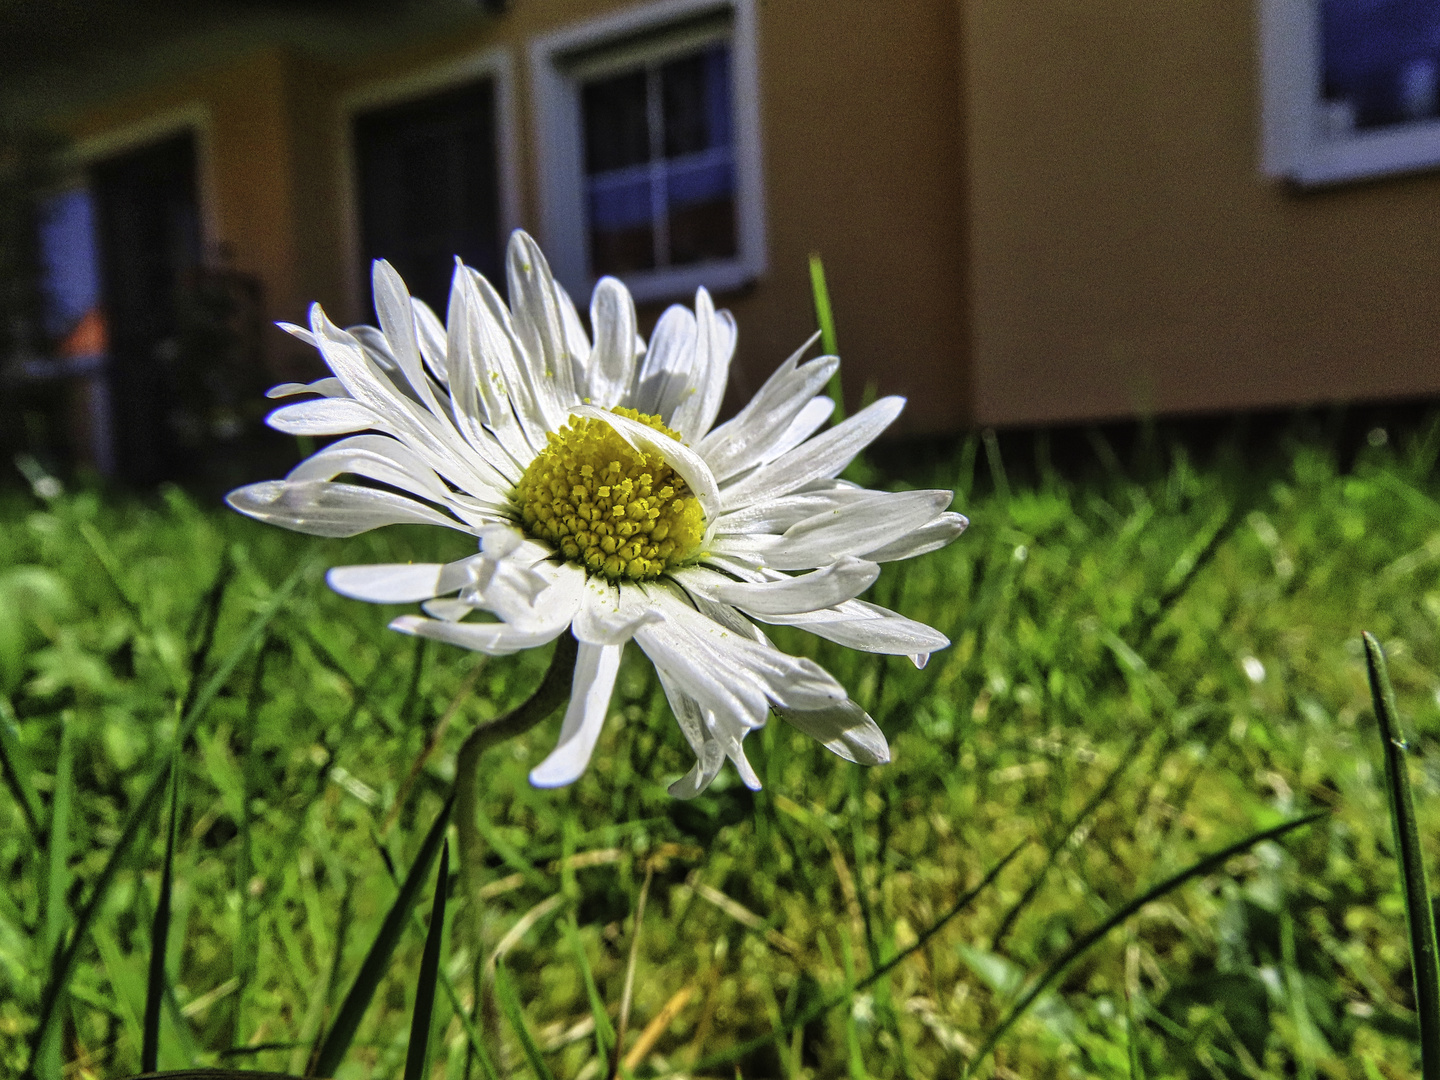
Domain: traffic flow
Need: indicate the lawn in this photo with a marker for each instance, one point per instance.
(1153, 659)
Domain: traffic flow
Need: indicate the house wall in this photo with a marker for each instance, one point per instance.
(1128, 256)
(860, 131)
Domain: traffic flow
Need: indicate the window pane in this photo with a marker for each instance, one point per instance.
(701, 197)
(617, 132)
(696, 92)
(622, 222)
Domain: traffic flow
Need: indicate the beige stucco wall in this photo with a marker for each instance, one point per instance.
(860, 131)
(1127, 255)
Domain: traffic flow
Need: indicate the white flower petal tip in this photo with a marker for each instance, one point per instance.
(408, 624)
(842, 580)
(702, 774)
(396, 583)
(493, 638)
(590, 689)
(844, 729)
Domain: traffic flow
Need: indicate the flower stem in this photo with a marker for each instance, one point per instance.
(554, 689)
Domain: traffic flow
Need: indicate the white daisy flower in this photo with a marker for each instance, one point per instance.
(607, 504)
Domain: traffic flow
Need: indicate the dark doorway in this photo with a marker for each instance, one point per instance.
(429, 189)
(147, 224)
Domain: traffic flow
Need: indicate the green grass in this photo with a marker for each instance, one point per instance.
(1148, 666)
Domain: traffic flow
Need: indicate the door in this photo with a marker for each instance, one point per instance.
(147, 225)
(429, 189)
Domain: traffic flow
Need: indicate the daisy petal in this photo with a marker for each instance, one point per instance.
(610, 614)
(577, 342)
(702, 774)
(397, 319)
(807, 421)
(449, 610)
(665, 372)
(842, 580)
(325, 509)
(844, 729)
(496, 639)
(429, 434)
(322, 416)
(504, 361)
(877, 519)
(431, 332)
(394, 583)
(612, 361)
(539, 326)
(595, 668)
(699, 401)
(326, 387)
(376, 457)
(823, 456)
(927, 538)
(738, 444)
(373, 343)
(777, 515)
(869, 628)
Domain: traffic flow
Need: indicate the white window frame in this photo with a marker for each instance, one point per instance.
(494, 64)
(555, 101)
(1298, 143)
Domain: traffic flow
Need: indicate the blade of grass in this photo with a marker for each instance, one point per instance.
(1083, 944)
(417, 1054)
(998, 478)
(63, 959)
(245, 946)
(15, 766)
(1419, 914)
(207, 617)
(825, 319)
(510, 1005)
(487, 1066)
(604, 1031)
(1061, 840)
(857, 847)
(1132, 1044)
(160, 934)
(377, 960)
(57, 876)
(212, 686)
(735, 1053)
(623, 1021)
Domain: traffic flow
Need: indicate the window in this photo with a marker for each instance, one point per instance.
(649, 149)
(1349, 89)
(659, 164)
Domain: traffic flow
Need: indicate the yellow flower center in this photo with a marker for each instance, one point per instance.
(618, 512)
